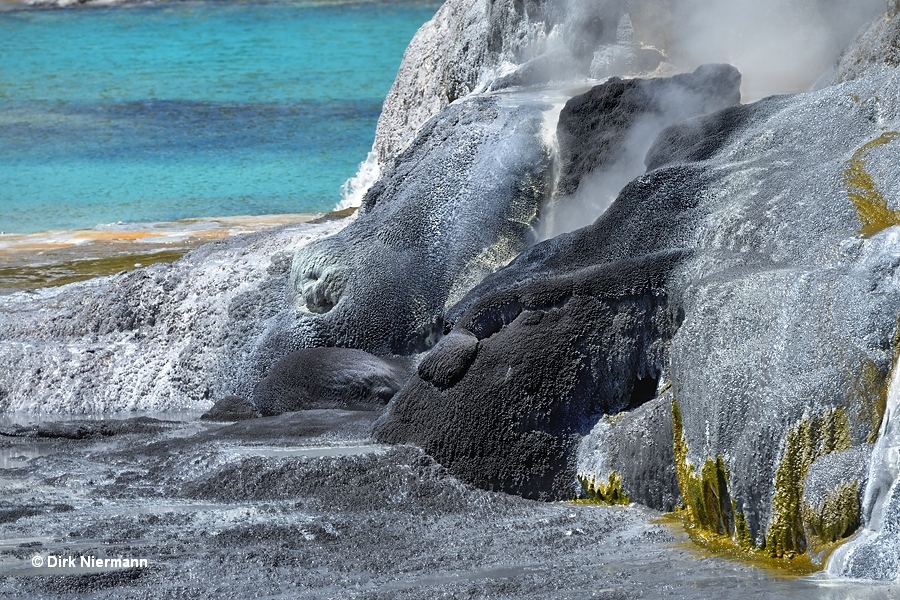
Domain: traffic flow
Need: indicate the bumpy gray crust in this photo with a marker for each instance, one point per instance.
(445, 61)
(318, 378)
(828, 472)
(653, 214)
(458, 204)
(875, 51)
(231, 408)
(699, 140)
(249, 509)
(595, 128)
(552, 357)
(542, 331)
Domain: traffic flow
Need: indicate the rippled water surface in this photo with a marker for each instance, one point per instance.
(172, 111)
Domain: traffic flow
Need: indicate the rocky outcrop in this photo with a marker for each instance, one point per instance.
(603, 136)
(583, 337)
(480, 45)
(876, 50)
(769, 318)
(476, 45)
(459, 203)
(720, 338)
(617, 122)
(635, 447)
(550, 354)
(319, 378)
(791, 307)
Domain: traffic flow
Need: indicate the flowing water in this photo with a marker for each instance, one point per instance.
(879, 505)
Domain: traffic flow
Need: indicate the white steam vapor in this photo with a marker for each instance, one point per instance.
(780, 46)
(598, 189)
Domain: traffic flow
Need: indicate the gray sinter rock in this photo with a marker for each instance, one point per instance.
(476, 45)
(231, 408)
(563, 338)
(751, 275)
(166, 337)
(318, 378)
(874, 550)
(746, 270)
(456, 205)
(877, 50)
(445, 368)
(637, 445)
(553, 353)
(87, 429)
(790, 311)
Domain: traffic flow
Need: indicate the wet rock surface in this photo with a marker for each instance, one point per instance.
(719, 237)
(574, 328)
(456, 205)
(833, 495)
(167, 337)
(740, 373)
(85, 429)
(329, 378)
(264, 507)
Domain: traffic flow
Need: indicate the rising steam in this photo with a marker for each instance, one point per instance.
(780, 46)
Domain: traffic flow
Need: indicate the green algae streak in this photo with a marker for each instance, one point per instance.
(863, 191)
(714, 521)
(805, 442)
(33, 277)
(837, 518)
(705, 495)
(607, 492)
